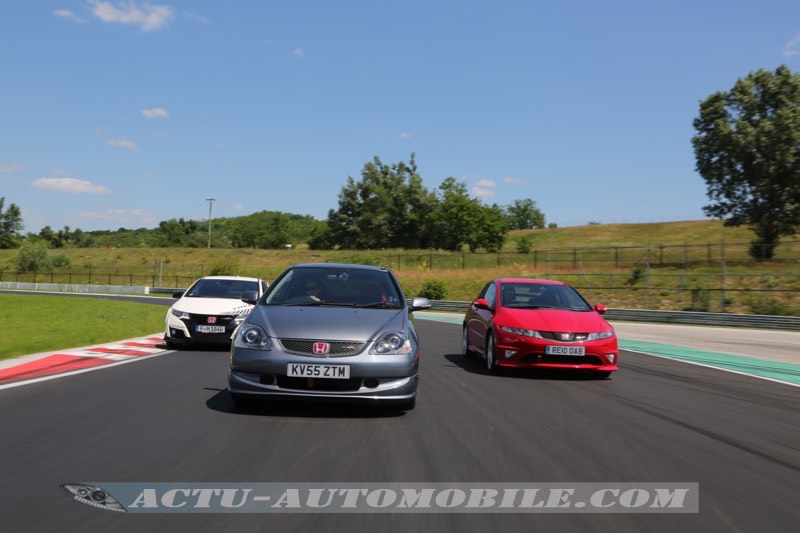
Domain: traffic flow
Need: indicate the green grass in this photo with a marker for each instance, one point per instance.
(34, 323)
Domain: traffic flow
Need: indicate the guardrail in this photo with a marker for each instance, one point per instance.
(670, 317)
(612, 314)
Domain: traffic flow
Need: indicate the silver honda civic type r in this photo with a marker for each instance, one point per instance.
(326, 331)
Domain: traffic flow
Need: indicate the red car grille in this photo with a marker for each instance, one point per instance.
(562, 359)
(556, 336)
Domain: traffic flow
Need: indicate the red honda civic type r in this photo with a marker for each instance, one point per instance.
(536, 323)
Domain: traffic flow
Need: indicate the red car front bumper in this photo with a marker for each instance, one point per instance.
(516, 351)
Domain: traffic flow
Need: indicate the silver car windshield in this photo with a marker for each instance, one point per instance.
(329, 286)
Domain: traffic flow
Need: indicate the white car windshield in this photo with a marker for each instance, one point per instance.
(221, 288)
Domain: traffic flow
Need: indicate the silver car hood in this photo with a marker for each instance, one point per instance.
(326, 323)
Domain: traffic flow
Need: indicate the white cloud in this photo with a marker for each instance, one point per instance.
(71, 185)
(155, 112)
(514, 181)
(299, 52)
(487, 183)
(122, 142)
(8, 169)
(148, 17)
(482, 193)
(68, 15)
(195, 16)
(404, 136)
(792, 48)
(121, 216)
(238, 207)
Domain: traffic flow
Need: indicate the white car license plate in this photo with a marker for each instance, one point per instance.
(565, 350)
(210, 329)
(300, 370)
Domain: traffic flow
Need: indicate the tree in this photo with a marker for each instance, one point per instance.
(387, 208)
(457, 217)
(321, 237)
(10, 225)
(174, 232)
(523, 214)
(747, 150)
(490, 231)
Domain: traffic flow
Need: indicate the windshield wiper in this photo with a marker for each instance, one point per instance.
(316, 303)
(385, 305)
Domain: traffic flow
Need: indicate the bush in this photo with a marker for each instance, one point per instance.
(32, 257)
(524, 244)
(771, 307)
(61, 260)
(701, 301)
(227, 267)
(433, 289)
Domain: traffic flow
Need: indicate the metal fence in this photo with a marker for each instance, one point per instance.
(680, 255)
(99, 278)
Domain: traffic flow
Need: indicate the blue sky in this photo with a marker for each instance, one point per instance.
(124, 114)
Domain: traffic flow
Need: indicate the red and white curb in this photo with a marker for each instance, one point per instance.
(39, 367)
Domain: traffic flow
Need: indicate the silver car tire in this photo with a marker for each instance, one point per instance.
(242, 403)
(491, 361)
(409, 404)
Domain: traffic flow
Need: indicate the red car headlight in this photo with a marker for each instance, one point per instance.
(523, 332)
(600, 336)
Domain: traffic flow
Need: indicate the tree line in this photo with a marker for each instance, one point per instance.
(387, 208)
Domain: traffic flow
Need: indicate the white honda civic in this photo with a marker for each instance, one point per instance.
(210, 310)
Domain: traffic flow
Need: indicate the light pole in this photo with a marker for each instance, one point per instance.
(210, 203)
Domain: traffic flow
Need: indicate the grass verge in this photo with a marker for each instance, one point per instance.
(34, 323)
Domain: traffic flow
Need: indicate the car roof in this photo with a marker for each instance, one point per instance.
(340, 265)
(232, 278)
(531, 280)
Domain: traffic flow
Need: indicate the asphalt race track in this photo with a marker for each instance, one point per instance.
(168, 419)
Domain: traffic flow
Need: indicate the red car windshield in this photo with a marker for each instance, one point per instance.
(540, 296)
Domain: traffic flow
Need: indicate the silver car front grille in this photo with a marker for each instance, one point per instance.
(336, 348)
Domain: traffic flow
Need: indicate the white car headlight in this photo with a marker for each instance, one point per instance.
(180, 314)
(600, 336)
(524, 332)
(392, 343)
(252, 337)
(241, 315)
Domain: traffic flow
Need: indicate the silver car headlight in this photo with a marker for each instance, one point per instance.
(252, 337)
(180, 314)
(392, 343)
(600, 336)
(523, 332)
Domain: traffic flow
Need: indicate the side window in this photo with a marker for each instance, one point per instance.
(491, 295)
(485, 288)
